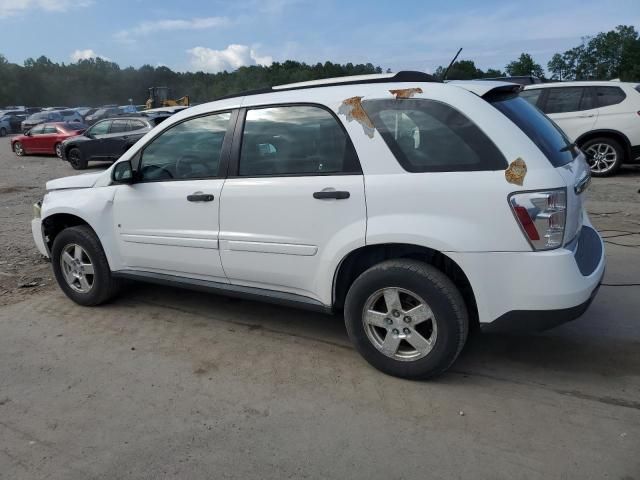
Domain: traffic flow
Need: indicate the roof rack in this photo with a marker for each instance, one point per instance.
(402, 76)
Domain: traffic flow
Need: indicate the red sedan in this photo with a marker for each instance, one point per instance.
(46, 138)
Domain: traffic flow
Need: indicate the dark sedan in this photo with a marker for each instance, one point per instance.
(107, 140)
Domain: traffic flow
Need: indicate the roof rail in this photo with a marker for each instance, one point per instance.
(402, 76)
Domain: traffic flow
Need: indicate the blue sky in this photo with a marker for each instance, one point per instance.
(223, 35)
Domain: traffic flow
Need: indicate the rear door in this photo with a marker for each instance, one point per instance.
(167, 222)
(293, 199)
(48, 138)
(114, 141)
(574, 109)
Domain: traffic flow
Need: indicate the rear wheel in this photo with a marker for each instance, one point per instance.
(406, 318)
(18, 149)
(81, 268)
(76, 160)
(604, 156)
(58, 150)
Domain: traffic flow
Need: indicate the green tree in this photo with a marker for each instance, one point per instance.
(525, 65)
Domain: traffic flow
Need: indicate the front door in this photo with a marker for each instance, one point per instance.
(293, 200)
(95, 149)
(167, 222)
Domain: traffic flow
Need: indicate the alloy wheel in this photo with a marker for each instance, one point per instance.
(399, 324)
(59, 150)
(77, 268)
(601, 157)
(19, 149)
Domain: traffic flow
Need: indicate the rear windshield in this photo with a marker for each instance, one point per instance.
(539, 128)
(430, 136)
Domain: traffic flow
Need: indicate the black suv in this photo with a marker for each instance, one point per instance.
(107, 139)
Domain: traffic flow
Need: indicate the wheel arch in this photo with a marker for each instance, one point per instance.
(360, 259)
(57, 222)
(608, 133)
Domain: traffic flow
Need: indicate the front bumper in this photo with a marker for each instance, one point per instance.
(529, 291)
(37, 232)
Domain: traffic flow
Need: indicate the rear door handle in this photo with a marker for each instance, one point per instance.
(337, 194)
(200, 197)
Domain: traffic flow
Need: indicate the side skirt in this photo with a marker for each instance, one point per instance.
(238, 291)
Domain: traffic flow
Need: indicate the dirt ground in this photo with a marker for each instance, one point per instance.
(171, 384)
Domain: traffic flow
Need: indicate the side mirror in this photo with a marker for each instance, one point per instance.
(122, 173)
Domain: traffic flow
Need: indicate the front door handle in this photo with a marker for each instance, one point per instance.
(337, 194)
(200, 197)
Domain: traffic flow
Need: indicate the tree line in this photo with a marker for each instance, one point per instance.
(40, 82)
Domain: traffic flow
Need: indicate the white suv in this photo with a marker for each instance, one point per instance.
(417, 208)
(602, 118)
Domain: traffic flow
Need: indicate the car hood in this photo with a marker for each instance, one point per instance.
(86, 180)
(76, 138)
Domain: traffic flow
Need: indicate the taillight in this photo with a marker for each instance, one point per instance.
(542, 216)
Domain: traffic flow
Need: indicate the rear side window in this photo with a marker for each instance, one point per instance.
(49, 129)
(538, 127)
(429, 136)
(568, 99)
(609, 96)
(119, 126)
(136, 125)
(295, 140)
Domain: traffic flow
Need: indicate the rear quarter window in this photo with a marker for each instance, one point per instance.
(430, 136)
(609, 96)
(539, 128)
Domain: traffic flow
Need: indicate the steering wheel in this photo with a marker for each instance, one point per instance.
(185, 163)
(155, 172)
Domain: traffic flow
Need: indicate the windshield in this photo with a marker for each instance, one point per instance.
(38, 116)
(537, 126)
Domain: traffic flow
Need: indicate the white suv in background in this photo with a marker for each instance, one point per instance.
(415, 207)
(603, 118)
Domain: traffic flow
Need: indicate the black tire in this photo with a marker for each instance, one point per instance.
(76, 159)
(596, 168)
(437, 290)
(18, 149)
(57, 148)
(3, 132)
(104, 285)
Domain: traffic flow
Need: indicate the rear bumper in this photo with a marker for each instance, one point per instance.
(528, 291)
(524, 321)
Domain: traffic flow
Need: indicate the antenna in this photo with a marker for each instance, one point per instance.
(444, 76)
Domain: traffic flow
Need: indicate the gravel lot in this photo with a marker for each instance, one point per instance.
(172, 384)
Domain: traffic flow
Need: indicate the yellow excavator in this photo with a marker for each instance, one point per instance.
(159, 97)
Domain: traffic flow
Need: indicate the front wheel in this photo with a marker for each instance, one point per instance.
(18, 149)
(406, 318)
(604, 156)
(81, 268)
(58, 150)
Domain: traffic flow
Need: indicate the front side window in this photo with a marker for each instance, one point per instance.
(100, 128)
(191, 149)
(609, 96)
(430, 136)
(295, 140)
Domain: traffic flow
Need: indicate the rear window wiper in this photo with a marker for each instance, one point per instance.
(569, 147)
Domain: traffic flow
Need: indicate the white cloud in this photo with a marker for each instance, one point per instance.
(148, 27)
(231, 58)
(14, 7)
(86, 54)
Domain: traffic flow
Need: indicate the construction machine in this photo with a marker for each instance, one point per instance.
(159, 97)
